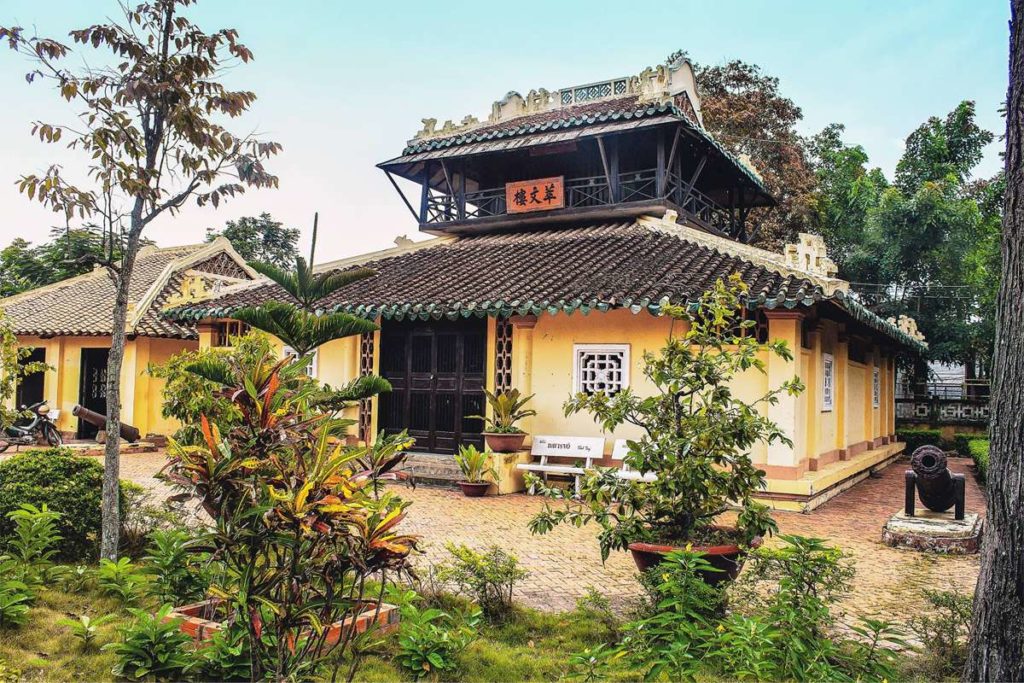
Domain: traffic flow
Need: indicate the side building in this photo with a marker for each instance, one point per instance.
(68, 325)
(561, 226)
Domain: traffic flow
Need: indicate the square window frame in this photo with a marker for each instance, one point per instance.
(579, 349)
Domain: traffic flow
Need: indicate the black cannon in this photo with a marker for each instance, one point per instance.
(128, 433)
(938, 488)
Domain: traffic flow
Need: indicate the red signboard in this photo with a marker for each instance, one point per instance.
(535, 195)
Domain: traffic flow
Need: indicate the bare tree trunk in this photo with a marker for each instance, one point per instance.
(111, 517)
(997, 637)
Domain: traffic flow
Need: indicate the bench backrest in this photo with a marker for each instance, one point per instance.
(588, 448)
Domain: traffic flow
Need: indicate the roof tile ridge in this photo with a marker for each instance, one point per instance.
(59, 284)
(769, 260)
(194, 253)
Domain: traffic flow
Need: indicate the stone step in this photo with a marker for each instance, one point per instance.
(432, 469)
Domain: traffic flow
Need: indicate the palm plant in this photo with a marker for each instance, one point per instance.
(475, 464)
(507, 408)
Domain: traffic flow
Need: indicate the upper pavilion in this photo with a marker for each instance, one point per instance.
(610, 150)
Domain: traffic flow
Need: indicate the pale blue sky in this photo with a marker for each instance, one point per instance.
(343, 85)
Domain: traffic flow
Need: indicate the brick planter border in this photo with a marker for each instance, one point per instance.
(202, 629)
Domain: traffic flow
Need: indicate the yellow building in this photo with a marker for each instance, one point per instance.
(68, 324)
(562, 225)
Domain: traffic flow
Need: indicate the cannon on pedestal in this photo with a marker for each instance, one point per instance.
(128, 433)
(930, 478)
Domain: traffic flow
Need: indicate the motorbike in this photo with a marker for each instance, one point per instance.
(39, 424)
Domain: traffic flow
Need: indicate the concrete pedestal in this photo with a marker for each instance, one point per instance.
(935, 532)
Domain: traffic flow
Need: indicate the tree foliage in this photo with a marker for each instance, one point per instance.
(744, 109)
(68, 252)
(925, 245)
(260, 239)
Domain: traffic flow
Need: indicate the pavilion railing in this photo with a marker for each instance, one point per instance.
(943, 403)
(586, 192)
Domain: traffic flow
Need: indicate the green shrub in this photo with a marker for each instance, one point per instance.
(429, 640)
(15, 597)
(943, 631)
(487, 577)
(33, 543)
(151, 648)
(915, 438)
(179, 573)
(67, 484)
(978, 450)
(85, 628)
(121, 579)
(225, 657)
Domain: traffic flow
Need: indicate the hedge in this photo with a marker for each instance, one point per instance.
(978, 448)
(68, 484)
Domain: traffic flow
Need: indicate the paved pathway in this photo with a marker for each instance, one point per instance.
(565, 562)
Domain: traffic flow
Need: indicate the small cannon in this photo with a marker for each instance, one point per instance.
(128, 433)
(938, 488)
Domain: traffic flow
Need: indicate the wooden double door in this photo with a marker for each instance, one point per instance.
(437, 372)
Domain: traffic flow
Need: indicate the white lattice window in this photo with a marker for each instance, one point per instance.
(600, 367)
(876, 388)
(311, 369)
(827, 382)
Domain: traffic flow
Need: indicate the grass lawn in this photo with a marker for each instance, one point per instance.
(530, 645)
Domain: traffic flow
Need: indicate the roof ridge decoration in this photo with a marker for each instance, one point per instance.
(672, 80)
(817, 267)
(191, 257)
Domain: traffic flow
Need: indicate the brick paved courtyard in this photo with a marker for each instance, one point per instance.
(565, 562)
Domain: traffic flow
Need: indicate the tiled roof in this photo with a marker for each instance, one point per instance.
(616, 109)
(84, 305)
(616, 265)
(599, 267)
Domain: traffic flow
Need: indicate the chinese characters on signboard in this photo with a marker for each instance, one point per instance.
(534, 195)
(876, 388)
(827, 382)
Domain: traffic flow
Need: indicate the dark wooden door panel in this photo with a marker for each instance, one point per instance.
(92, 392)
(436, 370)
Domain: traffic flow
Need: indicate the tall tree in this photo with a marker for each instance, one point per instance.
(997, 637)
(744, 109)
(260, 240)
(151, 103)
(923, 245)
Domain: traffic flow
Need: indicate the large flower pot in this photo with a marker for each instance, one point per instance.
(504, 443)
(728, 558)
(474, 489)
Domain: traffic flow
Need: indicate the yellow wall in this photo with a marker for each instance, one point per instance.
(140, 394)
(543, 360)
(855, 392)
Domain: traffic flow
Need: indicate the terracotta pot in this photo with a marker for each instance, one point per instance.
(505, 443)
(474, 489)
(728, 558)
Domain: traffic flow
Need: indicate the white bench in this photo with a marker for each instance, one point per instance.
(586, 448)
(619, 452)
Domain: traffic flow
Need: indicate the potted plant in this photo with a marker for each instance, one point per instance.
(507, 408)
(475, 466)
(697, 436)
